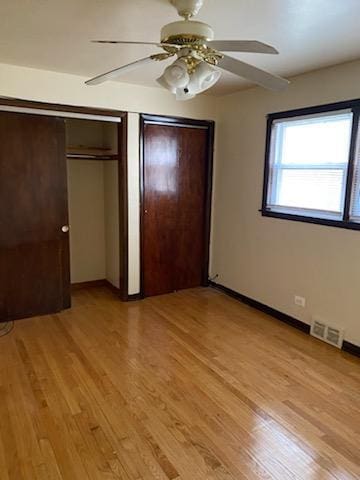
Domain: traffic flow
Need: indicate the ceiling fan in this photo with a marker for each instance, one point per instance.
(198, 55)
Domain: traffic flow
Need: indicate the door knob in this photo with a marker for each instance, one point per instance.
(65, 228)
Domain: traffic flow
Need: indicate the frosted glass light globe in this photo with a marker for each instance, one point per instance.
(176, 75)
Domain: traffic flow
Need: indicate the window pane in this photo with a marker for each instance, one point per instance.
(311, 189)
(308, 164)
(322, 140)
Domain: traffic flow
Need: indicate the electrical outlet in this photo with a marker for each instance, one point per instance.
(300, 301)
(214, 277)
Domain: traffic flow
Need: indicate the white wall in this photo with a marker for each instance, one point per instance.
(87, 220)
(111, 215)
(267, 259)
(94, 220)
(46, 86)
(134, 202)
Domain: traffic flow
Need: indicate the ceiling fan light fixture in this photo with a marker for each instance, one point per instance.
(175, 76)
(192, 42)
(183, 94)
(163, 83)
(204, 77)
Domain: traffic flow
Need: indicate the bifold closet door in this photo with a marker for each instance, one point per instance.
(175, 167)
(34, 249)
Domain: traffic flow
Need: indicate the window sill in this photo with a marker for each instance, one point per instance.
(315, 221)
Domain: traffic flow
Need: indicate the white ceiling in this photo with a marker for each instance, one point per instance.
(55, 35)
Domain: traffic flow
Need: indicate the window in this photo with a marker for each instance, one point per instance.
(312, 169)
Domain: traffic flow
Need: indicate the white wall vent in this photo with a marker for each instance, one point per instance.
(327, 333)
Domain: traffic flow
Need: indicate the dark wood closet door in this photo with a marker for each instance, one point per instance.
(34, 252)
(174, 207)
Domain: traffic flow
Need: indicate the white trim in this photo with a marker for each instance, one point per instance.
(306, 212)
(56, 113)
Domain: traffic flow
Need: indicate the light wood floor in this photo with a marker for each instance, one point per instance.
(188, 386)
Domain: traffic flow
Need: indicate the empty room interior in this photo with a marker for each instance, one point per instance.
(180, 240)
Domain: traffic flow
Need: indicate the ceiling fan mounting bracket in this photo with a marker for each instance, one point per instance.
(187, 8)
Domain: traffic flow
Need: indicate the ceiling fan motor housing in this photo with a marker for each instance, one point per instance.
(186, 32)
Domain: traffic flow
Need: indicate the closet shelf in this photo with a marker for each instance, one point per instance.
(91, 153)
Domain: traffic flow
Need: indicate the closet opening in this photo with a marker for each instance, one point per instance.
(92, 152)
(51, 148)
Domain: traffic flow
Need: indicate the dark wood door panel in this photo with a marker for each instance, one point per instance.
(37, 266)
(175, 169)
(159, 208)
(191, 213)
(34, 263)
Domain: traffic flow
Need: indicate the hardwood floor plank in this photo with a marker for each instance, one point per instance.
(186, 386)
(50, 469)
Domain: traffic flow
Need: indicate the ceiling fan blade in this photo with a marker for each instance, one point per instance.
(123, 42)
(118, 71)
(254, 74)
(251, 46)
